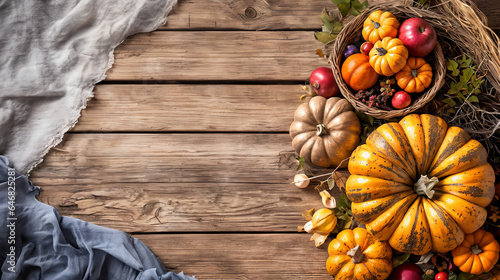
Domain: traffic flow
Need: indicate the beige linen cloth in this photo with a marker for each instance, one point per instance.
(52, 53)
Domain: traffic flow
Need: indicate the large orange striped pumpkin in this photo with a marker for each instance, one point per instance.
(397, 203)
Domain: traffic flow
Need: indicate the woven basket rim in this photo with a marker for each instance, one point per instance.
(348, 35)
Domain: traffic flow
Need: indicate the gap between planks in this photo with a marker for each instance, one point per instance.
(271, 15)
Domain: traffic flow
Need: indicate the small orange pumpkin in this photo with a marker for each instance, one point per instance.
(379, 25)
(416, 76)
(358, 73)
(388, 56)
(355, 254)
(478, 253)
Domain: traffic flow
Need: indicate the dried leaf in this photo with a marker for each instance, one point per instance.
(425, 258)
(340, 180)
(318, 239)
(308, 214)
(320, 53)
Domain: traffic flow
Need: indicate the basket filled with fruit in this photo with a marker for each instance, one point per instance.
(387, 61)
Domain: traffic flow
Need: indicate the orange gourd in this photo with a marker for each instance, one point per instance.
(388, 56)
(354, 254)
(357, 72)
(416, 76)
(477, 254)
(420, 184)
(379, 25)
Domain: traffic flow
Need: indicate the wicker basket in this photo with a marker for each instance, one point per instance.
(352, 33)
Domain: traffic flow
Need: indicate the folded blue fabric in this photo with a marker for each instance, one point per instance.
(37, 243)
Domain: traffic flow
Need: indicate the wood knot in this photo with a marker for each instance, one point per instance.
(250, 12)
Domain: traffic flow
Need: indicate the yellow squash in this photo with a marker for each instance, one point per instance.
(420, 185)
(379, 25)
(388, 56)
(416, 76)
(354, 254)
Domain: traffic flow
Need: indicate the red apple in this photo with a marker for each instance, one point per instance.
(418, 36)
(401, 99)
(407, 271)
(323, 82)
(366, 47)
(441, 276)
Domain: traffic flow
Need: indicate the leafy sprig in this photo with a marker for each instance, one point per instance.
(333, 22)
(464, 85)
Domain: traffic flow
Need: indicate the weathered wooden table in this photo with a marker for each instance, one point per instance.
(181, 144)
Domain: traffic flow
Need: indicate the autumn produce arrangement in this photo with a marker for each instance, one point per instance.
(399, 134)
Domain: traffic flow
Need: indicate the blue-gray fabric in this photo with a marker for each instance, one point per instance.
(37, 243)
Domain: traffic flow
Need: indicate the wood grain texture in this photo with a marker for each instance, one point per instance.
(241, 108)
(168, 158)
(270, 14)
(186, 207)
(240, 256)
(217, 56)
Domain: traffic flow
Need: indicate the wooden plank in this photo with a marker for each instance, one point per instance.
(193, 207)
(176, 107)
(217, 56)
(270, 15)
(240, 256)
(167, 158)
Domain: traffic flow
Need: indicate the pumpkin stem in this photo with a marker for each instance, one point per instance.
(376, 25)
(381, 51)
(424, 186)
(414, 73)
(475, 249)
(356, 254)
(321, 129)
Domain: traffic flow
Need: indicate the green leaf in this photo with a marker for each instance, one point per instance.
(450, 102)
(341, 2)
(337, 27)
(466, 75)
(473, 98)
(464, 62)
(451, 65)
(399, 260)
(461, 97)
(327, 20)
(357, 7)
(324, 37)
(301, 163)
(464, 276)
(452, 275)
(455, 88)
(344, 9)
(343, 203)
